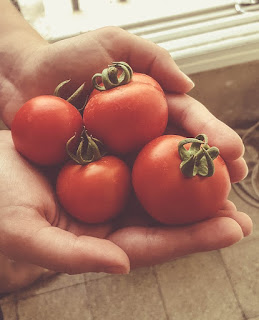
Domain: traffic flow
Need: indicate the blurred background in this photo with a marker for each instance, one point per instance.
(200, 35)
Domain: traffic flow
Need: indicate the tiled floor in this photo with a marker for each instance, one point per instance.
(218, 285)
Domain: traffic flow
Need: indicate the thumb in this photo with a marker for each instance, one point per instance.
(104, 45)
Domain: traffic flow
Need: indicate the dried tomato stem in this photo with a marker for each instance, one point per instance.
(109, 76)
(76, 94)
(73, 99)
(89, 149)
(60, 86)
(198, 159)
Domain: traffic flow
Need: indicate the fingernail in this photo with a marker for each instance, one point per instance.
(188, 79)
(116, 270)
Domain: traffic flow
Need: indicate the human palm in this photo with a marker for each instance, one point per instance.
(35, 229)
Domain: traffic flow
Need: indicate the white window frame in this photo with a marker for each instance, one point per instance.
(206, 40)
(204, 35)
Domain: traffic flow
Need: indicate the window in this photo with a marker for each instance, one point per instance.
(200, 35)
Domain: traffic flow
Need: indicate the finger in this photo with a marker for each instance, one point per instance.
(150, 246)
(241, 218)
(229, 205)
(105, 45)
(237, 169)
(147, 57)
(195, 118)
(26, 236)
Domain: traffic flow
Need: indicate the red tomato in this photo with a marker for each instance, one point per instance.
(42, 126)
(95, 192)
(125, 118)
(169, 196)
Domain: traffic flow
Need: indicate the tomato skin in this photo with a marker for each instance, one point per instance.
(170, 197)
(42, 126)
(125, 118)
(96, 192)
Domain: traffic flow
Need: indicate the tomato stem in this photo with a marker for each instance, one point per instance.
(109, 76)
(76, 94)
(89, 149)
(74, 97)
(198, 159)
(60, 86)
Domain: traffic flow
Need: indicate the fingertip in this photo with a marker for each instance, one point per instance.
(118, 269)
(243, 219)
(217, 233)
(230, 232)
(189, 83)
(238, 170)
(107, 257)
(246, 224)
(232, 147)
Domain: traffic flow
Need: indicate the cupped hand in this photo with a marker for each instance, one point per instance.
(33, 226)
(35, 229)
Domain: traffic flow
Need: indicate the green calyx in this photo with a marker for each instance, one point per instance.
(198, 159)
(88, 150)
(110, 77)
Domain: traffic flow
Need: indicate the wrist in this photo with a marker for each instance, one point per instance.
(16, 46)
(19, 43)
(16, 70)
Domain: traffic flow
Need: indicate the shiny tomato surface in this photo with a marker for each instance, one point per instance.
(42, 126)
(95, 192)
(125, 118)
(170, 197)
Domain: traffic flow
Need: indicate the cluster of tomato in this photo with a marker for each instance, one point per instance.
(177, 180)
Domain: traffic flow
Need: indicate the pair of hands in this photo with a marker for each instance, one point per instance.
(33, 226)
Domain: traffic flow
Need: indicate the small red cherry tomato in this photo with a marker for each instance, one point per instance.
(96, 192)
(167, 194)
(42, 126)
(127, 116)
